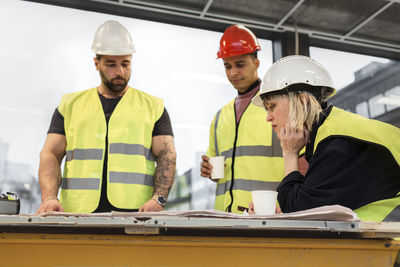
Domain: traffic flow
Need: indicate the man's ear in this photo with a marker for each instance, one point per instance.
(96, 62)
(257, 62)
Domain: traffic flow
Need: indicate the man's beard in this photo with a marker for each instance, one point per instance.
(112, 86)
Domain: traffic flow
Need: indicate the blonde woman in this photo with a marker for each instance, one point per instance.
(353, 161)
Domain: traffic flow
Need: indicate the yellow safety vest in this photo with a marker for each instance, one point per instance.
(130, 165)
(253, 156)
(347, 124)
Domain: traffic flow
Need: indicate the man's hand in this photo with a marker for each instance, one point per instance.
(151, 205)
(50, 205)
(205, 167)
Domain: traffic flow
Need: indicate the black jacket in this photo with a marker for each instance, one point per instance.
(342, 171)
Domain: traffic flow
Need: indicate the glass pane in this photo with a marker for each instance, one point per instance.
(375, 108)
(362, 109)
(395, 91)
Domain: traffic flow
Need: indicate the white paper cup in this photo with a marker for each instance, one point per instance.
(218, 164)
(264, 202)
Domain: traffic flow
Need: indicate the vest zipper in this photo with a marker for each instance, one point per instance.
(233, 163)
(234, 152)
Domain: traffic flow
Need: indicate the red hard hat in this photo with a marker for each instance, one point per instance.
(237, 40)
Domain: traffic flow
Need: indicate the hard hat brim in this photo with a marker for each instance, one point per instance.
(113, 53)
(256, 100)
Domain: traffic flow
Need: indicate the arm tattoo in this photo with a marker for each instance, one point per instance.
(165, 171)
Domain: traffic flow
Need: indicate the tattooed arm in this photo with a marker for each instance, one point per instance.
(164, 149)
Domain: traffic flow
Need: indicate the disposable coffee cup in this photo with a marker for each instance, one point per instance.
(218, 164)
(264, 202)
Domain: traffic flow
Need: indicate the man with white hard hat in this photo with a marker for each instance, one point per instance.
(252, 161)
(112, 136)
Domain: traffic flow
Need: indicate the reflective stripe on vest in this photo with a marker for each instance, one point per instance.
(131, 149)
(80, 183)
(347, 124)
(258, 163)
(130, 163)
(131, 178)
(252, 151)
(84, 154)
(246, 185)
(115, 177)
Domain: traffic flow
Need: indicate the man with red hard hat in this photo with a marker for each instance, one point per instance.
(253, 161)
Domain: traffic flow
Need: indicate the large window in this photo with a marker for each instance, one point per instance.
(362, 82)
(45, 53)
(343, 65)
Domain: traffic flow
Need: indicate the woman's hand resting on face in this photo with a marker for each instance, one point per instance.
(292, 139)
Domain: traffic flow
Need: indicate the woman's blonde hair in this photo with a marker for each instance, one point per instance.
(304, 108)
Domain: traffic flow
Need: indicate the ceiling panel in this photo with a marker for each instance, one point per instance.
(266, 11)
(385, 27)
(334, 16)
(197, 5)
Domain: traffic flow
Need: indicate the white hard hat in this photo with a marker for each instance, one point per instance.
(113, 39)
(292, 70)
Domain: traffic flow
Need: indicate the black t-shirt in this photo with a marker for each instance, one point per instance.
(161, 127)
